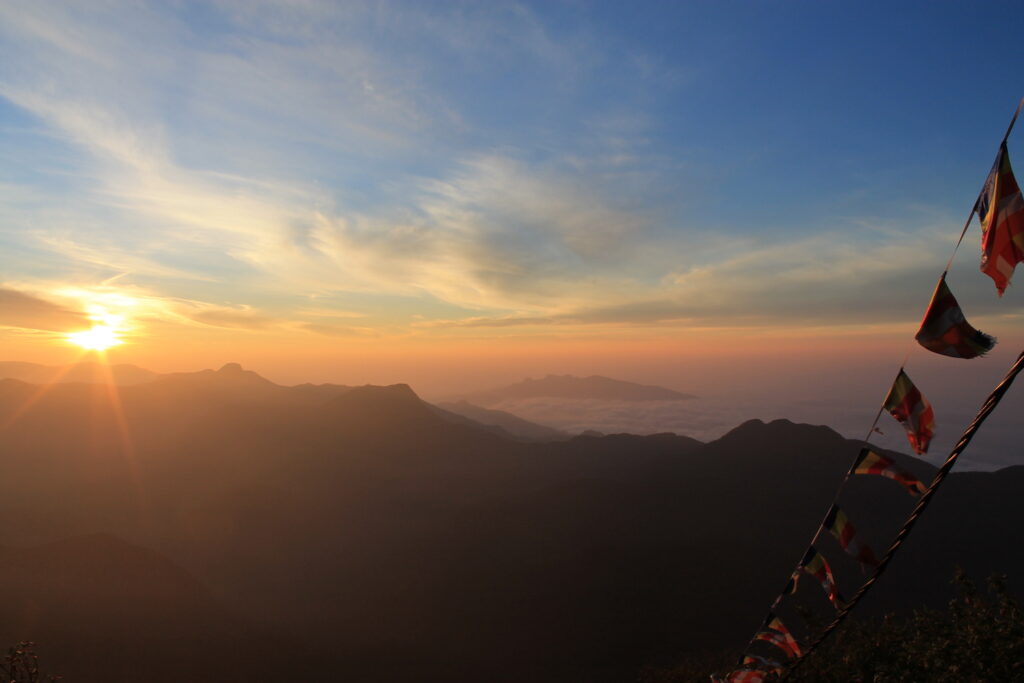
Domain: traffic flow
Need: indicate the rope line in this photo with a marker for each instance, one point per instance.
(821, 526)
(986, 409)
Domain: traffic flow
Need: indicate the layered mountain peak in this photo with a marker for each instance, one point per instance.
(780, 429)
(235, 372)
(374, 404)
(229, 376)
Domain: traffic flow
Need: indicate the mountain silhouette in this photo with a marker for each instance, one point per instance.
(379, 540)
(230, 377)
(507, 422)
(87, 372)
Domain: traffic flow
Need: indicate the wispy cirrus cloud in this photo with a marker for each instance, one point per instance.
(132, 166)
(271, 155)
(27, 311)
(829, 279)
(111, 257)
(242, 317)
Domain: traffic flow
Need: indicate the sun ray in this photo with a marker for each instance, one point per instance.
(127, 443)
(38, 395)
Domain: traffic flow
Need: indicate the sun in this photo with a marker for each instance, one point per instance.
(99, 338)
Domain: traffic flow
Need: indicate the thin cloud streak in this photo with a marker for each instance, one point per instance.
(26, 311)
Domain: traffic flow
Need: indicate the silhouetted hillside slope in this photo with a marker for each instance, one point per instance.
(400, 546)
(103, 609)
(507, 422)
(88, 372)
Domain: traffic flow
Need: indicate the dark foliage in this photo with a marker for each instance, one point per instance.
(21, 665)
(978, 638)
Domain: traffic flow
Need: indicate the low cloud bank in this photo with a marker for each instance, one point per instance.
(997, 445)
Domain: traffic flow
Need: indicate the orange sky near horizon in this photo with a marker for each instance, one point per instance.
(834, 374)
(461, 196)
(697, 359)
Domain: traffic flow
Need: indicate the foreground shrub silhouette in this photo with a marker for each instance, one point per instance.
(21, 665)
(978, 638)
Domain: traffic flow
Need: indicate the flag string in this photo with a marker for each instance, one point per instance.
(1013, 120)
(967, 225)
(974, 208)
(986, 409)
(821, 525)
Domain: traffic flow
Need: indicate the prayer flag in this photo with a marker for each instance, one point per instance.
(1001, 213)
(768, 665)
(778, 635)
(840, 527)
(944, 329)
(776, 639)
(873, 463)
(906, 404)
(815, 564)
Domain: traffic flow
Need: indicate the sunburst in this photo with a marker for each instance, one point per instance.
(99, 338)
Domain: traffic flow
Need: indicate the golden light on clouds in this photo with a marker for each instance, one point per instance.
(107, 327)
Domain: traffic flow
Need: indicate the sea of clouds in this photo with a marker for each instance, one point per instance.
(998, 444)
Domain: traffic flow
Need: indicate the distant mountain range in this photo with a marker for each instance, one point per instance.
(502, 422)
(567, 386)
(589, 405)
(553, 386)
(333, 532)
(88, 372)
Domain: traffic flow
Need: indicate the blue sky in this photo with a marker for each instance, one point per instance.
(422, 171)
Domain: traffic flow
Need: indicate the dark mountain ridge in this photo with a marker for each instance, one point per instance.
(397, 545)
(508, 423)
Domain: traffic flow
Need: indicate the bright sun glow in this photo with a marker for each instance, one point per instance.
(106, 311)
(99, 338)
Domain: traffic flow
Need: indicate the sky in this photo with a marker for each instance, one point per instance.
(721, 197)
